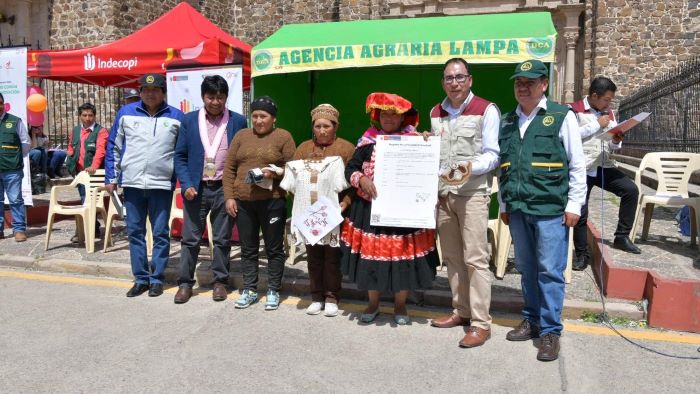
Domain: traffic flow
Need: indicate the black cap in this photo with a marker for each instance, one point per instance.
(152, 81)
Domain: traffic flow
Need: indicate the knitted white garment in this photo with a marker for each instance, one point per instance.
(330, 180)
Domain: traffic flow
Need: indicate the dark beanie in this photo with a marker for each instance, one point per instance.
(264, 103)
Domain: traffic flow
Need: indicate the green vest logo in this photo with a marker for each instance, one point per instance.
(8, 125)
(262, 60)
(540, 47)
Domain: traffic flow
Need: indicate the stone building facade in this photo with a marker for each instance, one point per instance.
(636, 42)
(631, 41)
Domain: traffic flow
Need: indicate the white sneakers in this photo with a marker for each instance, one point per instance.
(316, 307)
(331, 310)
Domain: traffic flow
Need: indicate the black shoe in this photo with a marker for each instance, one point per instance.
(624, 243)
(155, 290)
(580, 262)
(524, 332)
(549, 348)
(137, 290)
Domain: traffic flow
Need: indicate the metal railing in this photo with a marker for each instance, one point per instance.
(65, 98)
(674, 103)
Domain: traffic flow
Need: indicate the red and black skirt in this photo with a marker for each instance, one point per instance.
(387, 259)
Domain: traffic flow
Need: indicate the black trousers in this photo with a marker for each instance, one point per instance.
(270, 216)
(614, 181)
(210, 198)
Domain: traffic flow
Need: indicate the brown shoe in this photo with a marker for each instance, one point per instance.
(219, 293)
(549, 348)
(475, 337)
(183, 294)
(20, 236)
(450, 321)
(524, 332)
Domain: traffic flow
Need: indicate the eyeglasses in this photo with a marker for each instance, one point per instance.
(459, 78)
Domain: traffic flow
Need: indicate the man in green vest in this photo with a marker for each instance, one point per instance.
(14, 145)
(86, 150)
(542, 189)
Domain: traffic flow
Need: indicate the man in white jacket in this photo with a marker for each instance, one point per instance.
(139, 157)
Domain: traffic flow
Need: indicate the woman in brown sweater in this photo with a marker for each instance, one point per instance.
(318, 171)
(253, 170)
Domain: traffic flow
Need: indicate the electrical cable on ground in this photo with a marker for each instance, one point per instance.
(605, 318)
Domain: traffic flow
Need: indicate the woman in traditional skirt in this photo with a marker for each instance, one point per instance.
(384, 259)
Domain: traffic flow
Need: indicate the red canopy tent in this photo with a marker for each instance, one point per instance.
(180, 38)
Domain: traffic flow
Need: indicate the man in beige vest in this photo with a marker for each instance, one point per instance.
(468, 127)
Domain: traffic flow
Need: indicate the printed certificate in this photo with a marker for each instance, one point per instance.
(406, 178)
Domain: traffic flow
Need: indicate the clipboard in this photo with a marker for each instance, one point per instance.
(623, 127)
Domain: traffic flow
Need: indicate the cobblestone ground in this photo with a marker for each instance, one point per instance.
(666, 250)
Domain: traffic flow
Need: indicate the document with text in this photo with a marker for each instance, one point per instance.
(406, 178)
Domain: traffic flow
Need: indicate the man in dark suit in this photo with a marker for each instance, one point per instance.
(200, 154)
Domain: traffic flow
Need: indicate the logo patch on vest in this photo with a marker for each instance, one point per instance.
(526, 66)
(166, 124)
(8, 125)
(548, 120)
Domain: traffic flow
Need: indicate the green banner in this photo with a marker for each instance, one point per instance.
(286, 60)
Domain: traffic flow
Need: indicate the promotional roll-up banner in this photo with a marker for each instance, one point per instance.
(184, 87)
(13, 86)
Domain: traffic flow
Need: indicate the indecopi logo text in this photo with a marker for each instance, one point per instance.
(91, 62)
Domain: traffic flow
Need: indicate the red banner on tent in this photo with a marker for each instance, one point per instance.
(181, 37)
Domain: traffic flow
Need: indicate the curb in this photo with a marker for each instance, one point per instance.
(299, 286)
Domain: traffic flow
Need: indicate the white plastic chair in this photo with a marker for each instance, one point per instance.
(84, 214)
(673, 170)
(111, 216)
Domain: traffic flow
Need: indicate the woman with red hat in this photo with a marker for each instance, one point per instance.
(384, 259)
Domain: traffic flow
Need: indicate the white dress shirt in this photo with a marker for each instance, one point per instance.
(593, 128)
(488, 159)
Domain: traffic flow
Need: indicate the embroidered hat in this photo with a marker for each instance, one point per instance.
(325, 111)
(531, 69)
(264, 103)
(379, 101)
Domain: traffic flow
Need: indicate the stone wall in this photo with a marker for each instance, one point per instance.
(636, 42)
(85, 23)
(255, 20)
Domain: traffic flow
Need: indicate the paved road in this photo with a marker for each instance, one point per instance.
(80, 334)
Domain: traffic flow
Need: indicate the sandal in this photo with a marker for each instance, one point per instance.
(369, 317)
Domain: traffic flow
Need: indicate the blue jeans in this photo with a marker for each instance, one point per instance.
(39, 159)
(540, 256)
(56, 159)
(155, 204)
(11, 183)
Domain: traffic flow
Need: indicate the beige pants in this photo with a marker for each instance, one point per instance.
(462, 225)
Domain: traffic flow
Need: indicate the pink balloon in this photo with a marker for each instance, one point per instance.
(34, 89)
(35, 118)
